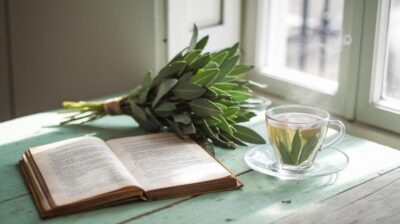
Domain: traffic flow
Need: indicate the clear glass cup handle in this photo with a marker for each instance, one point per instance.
(340, 135)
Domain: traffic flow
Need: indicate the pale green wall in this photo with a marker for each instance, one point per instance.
(73, 49)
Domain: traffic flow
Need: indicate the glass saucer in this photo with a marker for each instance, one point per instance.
(328, 161)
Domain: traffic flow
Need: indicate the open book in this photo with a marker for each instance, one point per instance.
(85, 173)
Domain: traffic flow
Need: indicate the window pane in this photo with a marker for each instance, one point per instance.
(391, 90)
(305, 35)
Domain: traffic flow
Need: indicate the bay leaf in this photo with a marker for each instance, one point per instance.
(205, 77)
(204, 108)
(240, 69)
(173, 69)
(296, 147)
(191, 56)
(248, 135)
(200, 62)
(145, 87)
(230, 111)
(212, 121)
(165, 106)
(239, 96)
(188, 129)
(232, 50)
(211, 64)
(188, 91)
(226, 67)
(163, 89)
(219, 58)
(223, 125)
(182, 118)
(202, 43)
(193, 41)
(225, 85)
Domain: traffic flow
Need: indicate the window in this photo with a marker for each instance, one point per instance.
(343, 55)
(379, 101)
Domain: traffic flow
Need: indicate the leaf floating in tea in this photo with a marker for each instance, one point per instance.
(296, 146)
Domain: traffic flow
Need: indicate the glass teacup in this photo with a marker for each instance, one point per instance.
(297, 133)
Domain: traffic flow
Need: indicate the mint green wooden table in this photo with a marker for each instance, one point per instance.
(263, 199)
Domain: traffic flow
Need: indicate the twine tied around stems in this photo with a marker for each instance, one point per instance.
(112, 106)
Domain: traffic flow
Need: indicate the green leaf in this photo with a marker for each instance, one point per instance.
(226, 67)
(175, 128)
(210, 94)
(193, 41)
(153, 118)
(232, 50)
(225, 85)
(164, 107)
(212, 121)
(220, 92)
(221, 106)
(230, 111)
(223, 125)
(182, 118)
(163, 89)
(244, 88)
(191, 56)
(229, 78)
(163, 114)
(188, 91)
(308, 148)
(227, 102)
(202, 43)
(135, 92)
(145, 87)
(205, 77)
(175, 68)
(185, 77)
(284, 153)
(296, 146)
(239, 96)
(207, 130)
(137, 112)
(188, 129)
(219, 58)
(211, 65)
(204, 108)
(248, 135)
(240, 69)
(214, 137)
(234, 139)
(224, 142)
(178, 57)
(200, 62)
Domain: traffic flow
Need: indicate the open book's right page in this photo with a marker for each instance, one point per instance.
(163, 160)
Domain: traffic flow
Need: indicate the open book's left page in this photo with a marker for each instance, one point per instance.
(80, 168)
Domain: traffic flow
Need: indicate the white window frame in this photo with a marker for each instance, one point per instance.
(370, 107)
(221, 35)
(339, 100)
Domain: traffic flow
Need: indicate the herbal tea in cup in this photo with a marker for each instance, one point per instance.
(296, 133)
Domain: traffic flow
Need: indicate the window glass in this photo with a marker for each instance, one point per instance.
(305, 36)
(391, 87)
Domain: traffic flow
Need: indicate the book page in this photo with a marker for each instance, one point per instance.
(164, 160)
(80, 168)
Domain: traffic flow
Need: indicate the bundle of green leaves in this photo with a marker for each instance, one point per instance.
(198, 95)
